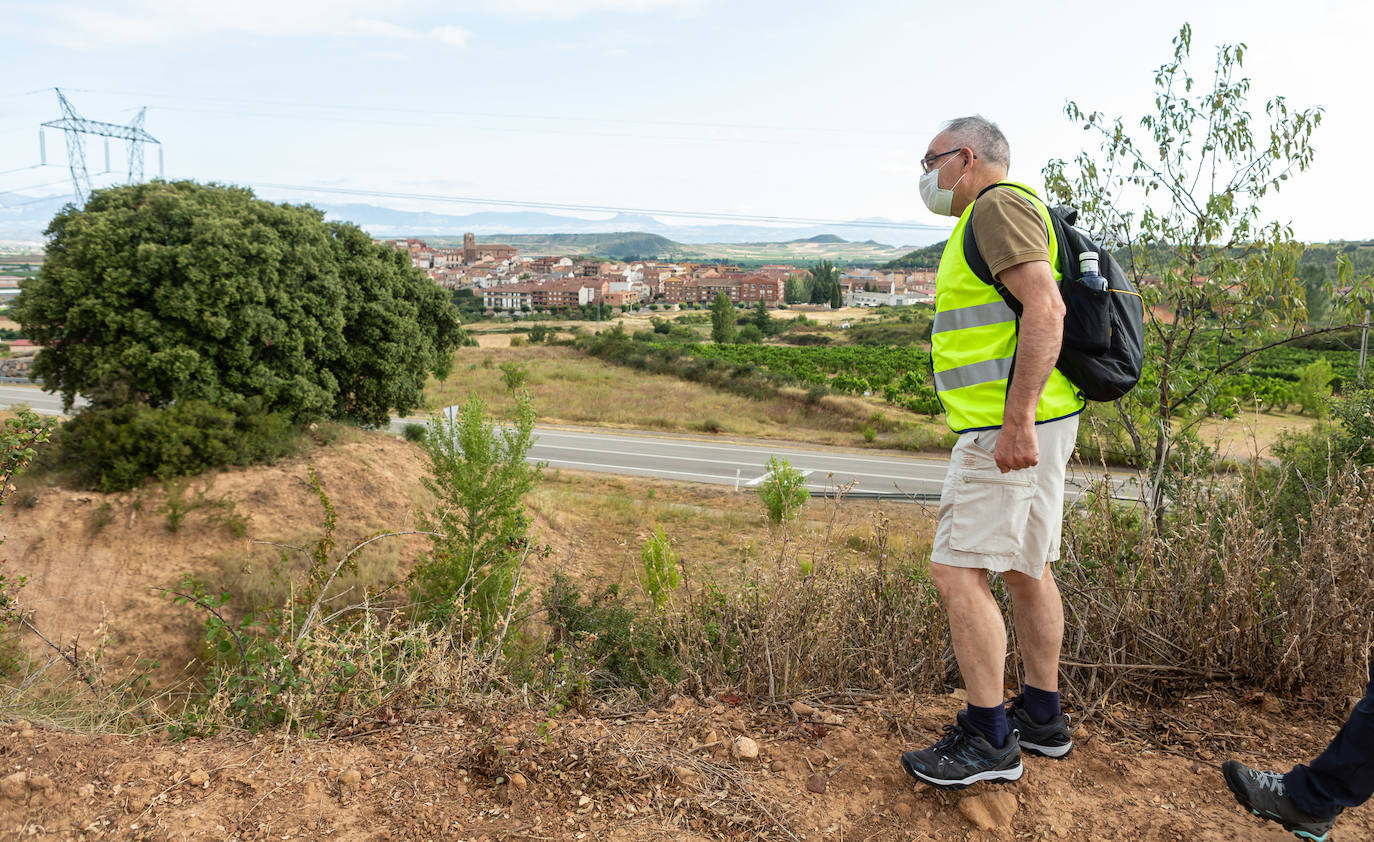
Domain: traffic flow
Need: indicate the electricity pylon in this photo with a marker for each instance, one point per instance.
(73, 125)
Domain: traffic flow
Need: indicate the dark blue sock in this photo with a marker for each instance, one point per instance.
(991, 721)
(1041, 705)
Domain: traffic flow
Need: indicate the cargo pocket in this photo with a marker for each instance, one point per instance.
(990, 511)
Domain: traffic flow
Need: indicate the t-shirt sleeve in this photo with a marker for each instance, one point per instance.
(1009, 230)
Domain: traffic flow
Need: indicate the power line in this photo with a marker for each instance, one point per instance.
(353, 109)
(681, 214)
(32, 186)
(36, 201)
(542, 130)
(21, 169)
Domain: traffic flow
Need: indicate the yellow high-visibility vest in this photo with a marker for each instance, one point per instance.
(973, 342)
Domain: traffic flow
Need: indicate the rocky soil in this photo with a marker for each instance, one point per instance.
(683, 769)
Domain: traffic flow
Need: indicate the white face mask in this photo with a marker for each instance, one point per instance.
(938, 199)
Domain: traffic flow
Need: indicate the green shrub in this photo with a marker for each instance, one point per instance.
(659, 563)
(513, 374)
(1313, 392)
(783, 491)
(608, 641)
(116, 449)
(479, 478)
(414, 433)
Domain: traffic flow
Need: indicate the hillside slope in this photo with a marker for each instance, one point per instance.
(482, 771)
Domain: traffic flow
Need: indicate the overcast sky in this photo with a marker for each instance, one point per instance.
(797, 108)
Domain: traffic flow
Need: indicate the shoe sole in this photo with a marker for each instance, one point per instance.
(991, 776)
(1237, 787)
(1055, 752)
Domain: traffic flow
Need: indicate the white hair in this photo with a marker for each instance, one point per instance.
(983, 137)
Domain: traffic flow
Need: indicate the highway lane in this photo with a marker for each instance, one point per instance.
(722, 462)
(41, 402)
(742, 465)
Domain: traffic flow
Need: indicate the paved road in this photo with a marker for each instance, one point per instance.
(741, 465)
(737, 464)
(41, 402)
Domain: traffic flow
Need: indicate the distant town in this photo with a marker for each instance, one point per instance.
(507, 281)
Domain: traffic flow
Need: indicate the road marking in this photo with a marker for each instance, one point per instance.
(600, 468)
(756, 480)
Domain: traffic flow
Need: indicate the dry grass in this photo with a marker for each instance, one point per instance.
(570, 387)
(1218, 592)
(603, 521)
(1251, 435)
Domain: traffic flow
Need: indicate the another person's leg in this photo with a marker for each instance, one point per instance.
(1308, 799)
(1343, 775)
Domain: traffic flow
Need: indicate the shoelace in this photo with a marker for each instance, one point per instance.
(1271, 781)
(954, 735)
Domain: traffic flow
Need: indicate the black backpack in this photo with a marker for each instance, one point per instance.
(1104, 330)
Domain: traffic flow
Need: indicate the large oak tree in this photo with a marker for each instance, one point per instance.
(163, 292)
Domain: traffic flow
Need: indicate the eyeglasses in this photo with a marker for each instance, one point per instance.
(928, 162)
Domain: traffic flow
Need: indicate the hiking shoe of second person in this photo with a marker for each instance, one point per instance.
(1049, 739)
(1264, 794)
(964, 756)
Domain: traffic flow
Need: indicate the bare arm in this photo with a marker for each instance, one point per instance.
(1037, 350)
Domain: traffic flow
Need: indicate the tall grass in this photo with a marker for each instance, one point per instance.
(1239, 583)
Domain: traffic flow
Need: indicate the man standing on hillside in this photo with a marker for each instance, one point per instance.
(1001, 507)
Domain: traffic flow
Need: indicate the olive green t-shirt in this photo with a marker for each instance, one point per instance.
(1009, 230)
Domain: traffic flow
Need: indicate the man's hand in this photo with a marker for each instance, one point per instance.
(1017, 447)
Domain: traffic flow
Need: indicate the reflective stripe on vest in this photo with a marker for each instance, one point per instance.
(973, 342)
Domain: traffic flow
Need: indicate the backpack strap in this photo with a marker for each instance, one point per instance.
(974, 258)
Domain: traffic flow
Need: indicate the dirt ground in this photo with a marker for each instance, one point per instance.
(93, 560)
(675, 770)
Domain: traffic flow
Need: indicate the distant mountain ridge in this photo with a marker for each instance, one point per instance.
(26, 217)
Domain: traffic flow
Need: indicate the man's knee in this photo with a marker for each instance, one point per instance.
(953, 582)
(1022, 587)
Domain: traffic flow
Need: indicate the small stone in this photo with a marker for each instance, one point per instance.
(990, 810)
(584, 801)
(901, 810)
(832, 719)
(510, 741)
(816, 783)
(777, 766)
(86, 791)
(460, 788)
(802, 709)
(350, 777)
(199, 777)
(13, 786)
(746, 749)
(686, 775)
(519, 782)
(711, 737)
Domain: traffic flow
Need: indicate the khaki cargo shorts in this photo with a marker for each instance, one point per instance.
(1000, 522)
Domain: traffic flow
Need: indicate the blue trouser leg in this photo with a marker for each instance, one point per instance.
(1343, 776)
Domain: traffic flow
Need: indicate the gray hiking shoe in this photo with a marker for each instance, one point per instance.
(1263, 794)
(1048, 739)
(964, 756)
